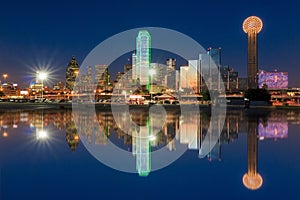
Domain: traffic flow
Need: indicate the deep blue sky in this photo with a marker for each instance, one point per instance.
(50, 32)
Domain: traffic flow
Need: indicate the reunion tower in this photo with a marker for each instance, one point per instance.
(252, 26)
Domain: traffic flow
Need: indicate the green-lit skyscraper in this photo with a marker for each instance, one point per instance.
(143, 57)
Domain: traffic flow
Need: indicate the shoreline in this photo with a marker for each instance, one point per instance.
(13, 105)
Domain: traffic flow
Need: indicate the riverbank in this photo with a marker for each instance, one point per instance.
(29, 105)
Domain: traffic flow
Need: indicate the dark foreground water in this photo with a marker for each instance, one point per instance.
(50, 154)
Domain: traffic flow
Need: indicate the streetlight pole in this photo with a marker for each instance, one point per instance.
(42, 76)
(42, 89)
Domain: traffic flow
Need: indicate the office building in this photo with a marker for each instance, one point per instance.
(71, 73)
(143, 57)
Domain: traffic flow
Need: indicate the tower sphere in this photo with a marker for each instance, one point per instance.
(252, 182)
(252, 24)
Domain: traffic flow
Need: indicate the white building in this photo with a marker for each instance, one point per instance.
(143, 56)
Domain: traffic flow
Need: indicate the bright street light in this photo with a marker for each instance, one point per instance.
(41, 134)
(42, 75)
(5, 76)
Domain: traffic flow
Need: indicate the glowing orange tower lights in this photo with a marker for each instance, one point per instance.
(252, 26)
(252, 179)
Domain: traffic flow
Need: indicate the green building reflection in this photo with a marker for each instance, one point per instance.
(140, 131)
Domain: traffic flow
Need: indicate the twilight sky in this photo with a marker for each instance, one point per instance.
(48, 33)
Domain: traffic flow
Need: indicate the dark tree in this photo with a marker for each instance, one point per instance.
(257, 95)
(207, 95)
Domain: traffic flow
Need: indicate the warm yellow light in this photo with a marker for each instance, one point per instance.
(5, 76)
(5, 134)
(252, 24)
(252, 182)
(76, 137)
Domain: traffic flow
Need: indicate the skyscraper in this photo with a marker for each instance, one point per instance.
(143, 57)
(205, 72)
(172, 80)
(194, 75)
(133, 60)
(158, 73)
(102, 77)
(184, 77)
(215, 60)
(252, 26)
(128, 71)
(171, 65)
(71, 73)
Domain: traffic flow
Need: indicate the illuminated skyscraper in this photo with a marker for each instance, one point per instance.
(133, 60)
(143, 151)
(194, 75)
(252, 180)
(128, 71)
(102, 77)
(171, 65)
(71, 73)
(252, 26)
(172, 80)
(184, 72)
(143, 57)
(158, 73)
(140, 143)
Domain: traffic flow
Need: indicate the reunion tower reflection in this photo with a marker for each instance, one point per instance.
(252, 179)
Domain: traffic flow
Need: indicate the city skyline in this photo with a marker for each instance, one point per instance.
(109, 98)
(45, 41)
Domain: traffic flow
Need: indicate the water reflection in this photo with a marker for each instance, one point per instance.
(252, 179)
(151, 133)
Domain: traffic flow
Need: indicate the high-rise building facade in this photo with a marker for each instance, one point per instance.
(158, 73)
(100, 72)
(171, 65)
(215, 65)
(128, 71)
(194, 75)
(143, 57)
(172, 80)
(205, 72)
(102, 76)
(71, 73)
(133, 63)
(184, 77)
(229, 78)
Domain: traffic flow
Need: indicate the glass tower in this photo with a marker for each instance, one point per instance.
(143, 57)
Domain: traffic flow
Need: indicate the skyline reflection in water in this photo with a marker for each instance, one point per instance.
(184, 129)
